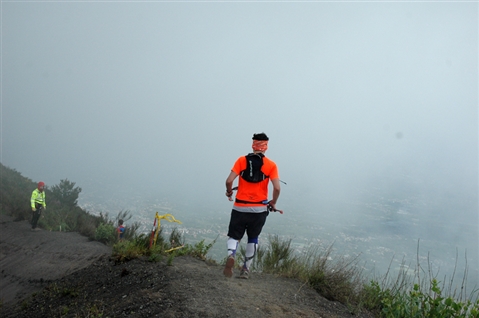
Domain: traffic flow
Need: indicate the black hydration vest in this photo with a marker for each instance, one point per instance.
(253, 173)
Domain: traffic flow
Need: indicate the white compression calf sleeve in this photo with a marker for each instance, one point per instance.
(232, 245)
(249, 255)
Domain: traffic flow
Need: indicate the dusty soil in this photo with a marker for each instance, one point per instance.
(29, 260)
(71, 277)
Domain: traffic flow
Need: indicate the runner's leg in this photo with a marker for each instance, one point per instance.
(236, 231)
(254, 228)
(232, 245)
(36, 216)
(251, 248)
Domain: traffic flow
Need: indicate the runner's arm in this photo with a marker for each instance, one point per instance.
(229, 183)
(276, 192)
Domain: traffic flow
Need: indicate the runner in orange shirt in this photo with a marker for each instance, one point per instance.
(251, 204)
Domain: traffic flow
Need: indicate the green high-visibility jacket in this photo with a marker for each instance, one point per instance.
(38, 197)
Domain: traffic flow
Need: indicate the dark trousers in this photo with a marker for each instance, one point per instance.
(36, 214)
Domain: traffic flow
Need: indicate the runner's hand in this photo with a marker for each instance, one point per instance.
(33, 209)
(229, 195)
(272, 208)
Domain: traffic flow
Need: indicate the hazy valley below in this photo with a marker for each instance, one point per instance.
(384, 230)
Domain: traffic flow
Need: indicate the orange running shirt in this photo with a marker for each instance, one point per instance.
(254, 192)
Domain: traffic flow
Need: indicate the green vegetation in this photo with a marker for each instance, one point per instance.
(139, 246)
(62, 213)
(342, 280)
(419, 302)
(338, 279)
(65, 193)
(420, 295)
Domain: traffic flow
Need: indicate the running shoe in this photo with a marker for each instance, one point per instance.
(230, 263)
(244, 274)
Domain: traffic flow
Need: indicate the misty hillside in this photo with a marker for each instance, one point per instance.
(64, 276)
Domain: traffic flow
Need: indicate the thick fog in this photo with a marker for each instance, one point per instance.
(366, 104)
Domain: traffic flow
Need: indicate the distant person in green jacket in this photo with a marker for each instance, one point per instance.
(38, 203)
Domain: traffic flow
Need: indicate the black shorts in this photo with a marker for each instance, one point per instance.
(251, 223)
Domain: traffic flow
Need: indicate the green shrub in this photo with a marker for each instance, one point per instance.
(279, 256)
(414, 296)
(200, 249)
(105, 233)
(134, 248)
(418, 303)
(86, 225)
(176, 239)
(170, 259)
(65, 193)
(16, 191)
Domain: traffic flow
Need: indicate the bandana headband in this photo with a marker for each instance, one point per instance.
(260, 145)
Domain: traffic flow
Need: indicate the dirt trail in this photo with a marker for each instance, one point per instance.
(73, 277)
(31, 259)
